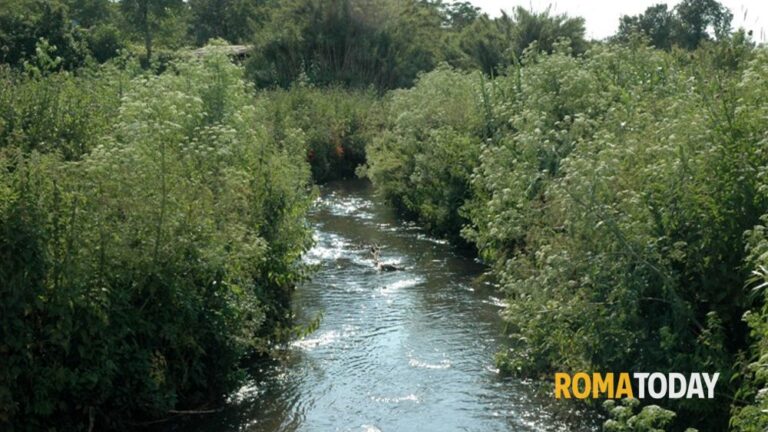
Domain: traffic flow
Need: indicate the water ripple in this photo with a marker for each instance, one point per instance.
(396, 351)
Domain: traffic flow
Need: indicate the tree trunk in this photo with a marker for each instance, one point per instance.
(147, 30)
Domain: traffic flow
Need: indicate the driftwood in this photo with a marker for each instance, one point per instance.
(382, 266)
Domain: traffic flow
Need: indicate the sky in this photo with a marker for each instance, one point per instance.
(602, 16)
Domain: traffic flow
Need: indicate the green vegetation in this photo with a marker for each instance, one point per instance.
(356, 44)
(152, 200)
(336, 124)
(148, 17)
(148, 243)
(352, 43)
(687, 25)
(423, 160)
(612, 193)
(494, 45)
(624, 418)
(24, 23)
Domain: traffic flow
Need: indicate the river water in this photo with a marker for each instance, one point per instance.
(408, 350)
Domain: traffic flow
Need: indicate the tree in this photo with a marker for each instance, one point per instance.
(356, 43)
(687, 25)
(89, 13)
(657, 23)
(697, 17)
(233, 20)
(458, 15)
(146, 16)
(546, 29)
(24, 23)
(97, 19)
(493, 45)
(486, 44)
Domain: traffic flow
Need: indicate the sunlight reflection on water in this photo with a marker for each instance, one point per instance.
(408, 350)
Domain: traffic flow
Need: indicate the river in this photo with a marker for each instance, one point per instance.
(408, 350)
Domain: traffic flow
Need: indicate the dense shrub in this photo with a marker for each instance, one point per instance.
(623, 417)
(354, 43)
(751, 415)
(492, 45)
(630, 254)
(611, 192)
(336, 123)
(23, 23)
(136, 277)
(105, 41)
(62, 113)
(423, 160)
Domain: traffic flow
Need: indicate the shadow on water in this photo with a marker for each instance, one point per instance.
(408, 350)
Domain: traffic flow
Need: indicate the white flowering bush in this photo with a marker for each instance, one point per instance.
(136, 278)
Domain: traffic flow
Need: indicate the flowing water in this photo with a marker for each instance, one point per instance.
(408, 350)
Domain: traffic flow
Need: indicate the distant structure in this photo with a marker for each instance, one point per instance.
(236, 52)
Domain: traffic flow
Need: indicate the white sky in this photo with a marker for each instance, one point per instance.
(602, 16)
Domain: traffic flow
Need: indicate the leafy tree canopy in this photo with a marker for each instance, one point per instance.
(687, 25)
